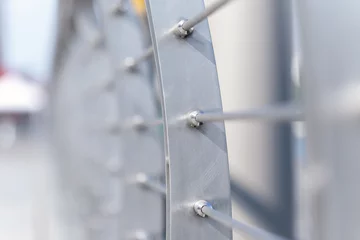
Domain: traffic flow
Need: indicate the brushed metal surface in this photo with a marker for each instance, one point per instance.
(196, 159)
(142, 151)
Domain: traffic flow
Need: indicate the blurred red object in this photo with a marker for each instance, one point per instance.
(2, 71)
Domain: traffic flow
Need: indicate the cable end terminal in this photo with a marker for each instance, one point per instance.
(191, 119)
(180, 32)
(199, 205)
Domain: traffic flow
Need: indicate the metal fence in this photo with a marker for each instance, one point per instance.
(142, 153)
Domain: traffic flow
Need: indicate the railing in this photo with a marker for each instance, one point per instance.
(130, 147)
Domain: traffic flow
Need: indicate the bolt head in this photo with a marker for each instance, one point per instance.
(181, 32)
(191, 119)
(198, 206)
(140, 235)
(118, 9)
(130, 64)
(141, 178)
(138, 123)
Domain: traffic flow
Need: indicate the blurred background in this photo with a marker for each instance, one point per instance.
(27, 30)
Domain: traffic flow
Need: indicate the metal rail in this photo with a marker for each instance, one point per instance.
(148, 182)
(209, 10)
(272, 114)
(205, 209)
(181, 29)
(267, 114)
(276, 113)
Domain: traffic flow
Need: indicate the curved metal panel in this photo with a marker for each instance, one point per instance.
(141, 209)
(83, 145)
(197, 165)
(63, 124)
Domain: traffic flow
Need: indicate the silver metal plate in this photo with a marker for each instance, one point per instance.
(83, 145)
(197, 165)
(142, 210)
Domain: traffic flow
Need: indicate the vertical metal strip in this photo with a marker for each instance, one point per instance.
(196, 159)
(84, 146)
(63, 124)
(141, 210)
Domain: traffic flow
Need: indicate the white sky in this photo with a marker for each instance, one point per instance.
(28, 29)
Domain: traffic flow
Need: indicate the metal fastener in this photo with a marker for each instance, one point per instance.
(130, 64)
(140, 235)
(142, 178)
(138, 123)
(180, 31)
(118, 9)
(191, 119)
(198, 206)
